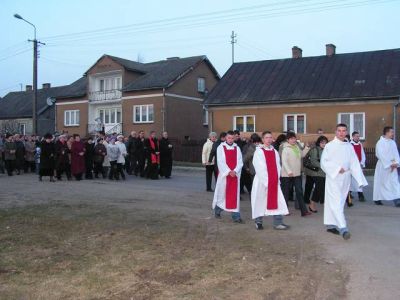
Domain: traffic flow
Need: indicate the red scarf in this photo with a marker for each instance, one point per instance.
(231, 191)
(272, 195)
(357, 148)
(155, 159)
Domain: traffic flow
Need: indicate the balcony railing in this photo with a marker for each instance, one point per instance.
(105, 95)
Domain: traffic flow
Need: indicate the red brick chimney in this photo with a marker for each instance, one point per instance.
(46, 85)
(28, 88)
(330, 49)
(297, 52)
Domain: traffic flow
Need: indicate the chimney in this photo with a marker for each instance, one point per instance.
(297, 52)
(330, 49)
(28, 88)
(46, 85)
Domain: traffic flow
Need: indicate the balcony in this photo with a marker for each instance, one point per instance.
(105, 96)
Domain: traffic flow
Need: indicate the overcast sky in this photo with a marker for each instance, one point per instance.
(77, 33)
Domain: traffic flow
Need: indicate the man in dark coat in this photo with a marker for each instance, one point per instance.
(131, 149)
(140, 154)
(100, 152)
(47, 157)
(62, 158)
(9, 154)
(165, 156)
(153, 156)
(19, 154)
(89, 153)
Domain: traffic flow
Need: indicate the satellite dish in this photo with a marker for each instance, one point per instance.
(50, 101)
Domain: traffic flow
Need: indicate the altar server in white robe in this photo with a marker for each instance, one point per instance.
(359, 150)
(266, 195)
(386, 179)
(340, 163)
(227, 188)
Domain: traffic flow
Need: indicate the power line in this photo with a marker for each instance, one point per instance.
(15, 54)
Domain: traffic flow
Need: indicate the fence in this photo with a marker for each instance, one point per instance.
(190, 151)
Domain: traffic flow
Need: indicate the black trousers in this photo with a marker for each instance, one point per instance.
(132, 164)
(120, 170)
(141, 161)
(10, 166)
(152, 170)
(63, 168)
(165, 167)
(210, 170)
(319, 191)
(30, 166)
(98, 169)
(247, 180)
(113, 170)
(308, 188)
(287, 184)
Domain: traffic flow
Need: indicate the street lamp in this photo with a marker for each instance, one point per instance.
(35, 45)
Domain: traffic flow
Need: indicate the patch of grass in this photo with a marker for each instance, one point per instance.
(98, 252)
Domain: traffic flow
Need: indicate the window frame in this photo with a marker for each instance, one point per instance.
(141, 115)
(285, 127)
(75, 111)
(244, 122)
(351, 125)
(203, 80)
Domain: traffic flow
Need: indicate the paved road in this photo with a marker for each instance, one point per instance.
(371, 256)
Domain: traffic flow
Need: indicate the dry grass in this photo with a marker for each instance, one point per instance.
(95, 252)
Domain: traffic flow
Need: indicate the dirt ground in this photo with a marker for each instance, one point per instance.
(140, 240)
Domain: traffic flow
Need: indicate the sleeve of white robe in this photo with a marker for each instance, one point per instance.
(239, 164)
(223, 168)
(330, 168)
(363, 157)
(356, 171)
(382, 153)
(260, 167)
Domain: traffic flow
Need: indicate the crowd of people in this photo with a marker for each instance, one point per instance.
(101, 156)
(272, 172)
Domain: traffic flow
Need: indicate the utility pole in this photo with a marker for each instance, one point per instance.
(233, 42)
(35, 58)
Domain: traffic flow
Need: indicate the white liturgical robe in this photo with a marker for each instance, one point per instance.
(338, 155)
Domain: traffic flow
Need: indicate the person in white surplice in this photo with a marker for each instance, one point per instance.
(386, 179)
(339, 162)
(227, 188)
(266, 195)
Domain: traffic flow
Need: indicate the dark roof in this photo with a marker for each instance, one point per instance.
(164, 73)
(127, 64)
(19, 104)
(373, 74)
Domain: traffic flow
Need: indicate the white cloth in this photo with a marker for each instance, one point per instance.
(354, 185)
(259, 191)
(223, 171)
(205, 154)
(122, 152)
(338, 155)
(386, 182)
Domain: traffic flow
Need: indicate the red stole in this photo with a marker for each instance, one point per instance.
(357, 148)
(154, 157)
(231, 182)
(272, 195)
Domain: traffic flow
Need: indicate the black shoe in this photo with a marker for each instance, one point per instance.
(259, 226)
(361, 197)
(209, 190)
(379, 202)
(239, 221)
(333, 230)
(217, 216)
(346, 235)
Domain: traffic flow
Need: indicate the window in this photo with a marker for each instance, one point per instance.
(205, 116)
(71, 118)
(201, 85)
(354, 122)
(109, 83)
(244, 123)
(143, 113)
(110, 115)
(295, 123)
(22, 128)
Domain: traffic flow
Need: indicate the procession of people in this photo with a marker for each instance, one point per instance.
(333, 170)
(106, 156)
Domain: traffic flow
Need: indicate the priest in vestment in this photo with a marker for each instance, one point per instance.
(386, 179)
(340, 164)
(266, 195)
(359, 150)
(227, 189)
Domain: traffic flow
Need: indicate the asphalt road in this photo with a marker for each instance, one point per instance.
(371, 256)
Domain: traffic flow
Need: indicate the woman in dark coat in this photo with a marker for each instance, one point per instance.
(77, 157)
(47, 154)
(165, 156)
(89, 155)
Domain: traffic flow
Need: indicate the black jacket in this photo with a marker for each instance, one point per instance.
(47, 155)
